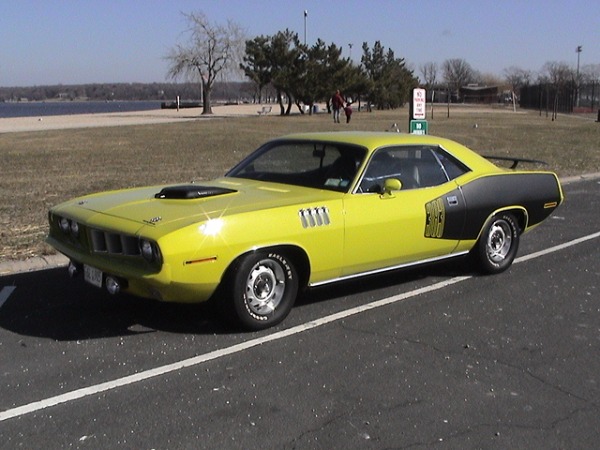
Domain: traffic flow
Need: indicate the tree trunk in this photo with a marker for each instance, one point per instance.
(280, 101)
(206, 108)
(289, 104)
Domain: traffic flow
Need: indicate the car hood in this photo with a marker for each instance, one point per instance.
(181, 205)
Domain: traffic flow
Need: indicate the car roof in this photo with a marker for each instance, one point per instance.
(373, 140)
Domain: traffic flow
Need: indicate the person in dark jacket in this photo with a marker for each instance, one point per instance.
(337, 103)
(348, 112)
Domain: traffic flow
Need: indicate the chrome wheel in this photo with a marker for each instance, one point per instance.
(498, 244)
(499, 241)
(265, 287)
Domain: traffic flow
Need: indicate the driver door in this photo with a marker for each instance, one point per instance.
(386, 229)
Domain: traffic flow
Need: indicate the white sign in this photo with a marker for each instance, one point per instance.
(419, 108)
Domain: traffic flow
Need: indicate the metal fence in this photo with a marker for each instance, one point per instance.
(588, 97)
(564, 98)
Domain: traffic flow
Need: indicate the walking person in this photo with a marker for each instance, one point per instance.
(348, 111)
(337, 103)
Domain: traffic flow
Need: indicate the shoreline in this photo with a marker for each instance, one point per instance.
(159, 116)
(147, 117)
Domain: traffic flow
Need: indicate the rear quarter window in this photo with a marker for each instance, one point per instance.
(453, 167)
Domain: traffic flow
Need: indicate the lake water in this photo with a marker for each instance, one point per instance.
(41, 109)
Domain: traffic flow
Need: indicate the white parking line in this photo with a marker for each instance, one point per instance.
(557, 247)
(162, 370)
(5, 293)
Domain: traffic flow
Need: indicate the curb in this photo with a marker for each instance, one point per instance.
(33, 264)
(576, 178)
(55, 261)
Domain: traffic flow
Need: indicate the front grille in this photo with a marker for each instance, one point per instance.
(78, 240)
(114, 244)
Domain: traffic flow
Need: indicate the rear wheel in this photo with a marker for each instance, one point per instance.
(263, 289)
(498, 244)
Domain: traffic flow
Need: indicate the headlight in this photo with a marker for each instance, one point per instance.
(74, 228)
(68, 226)
(64, 225)
(148, 250)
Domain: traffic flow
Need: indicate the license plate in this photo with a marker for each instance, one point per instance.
(92, 275)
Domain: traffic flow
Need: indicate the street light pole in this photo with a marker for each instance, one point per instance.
(578, 50)
(305, 16)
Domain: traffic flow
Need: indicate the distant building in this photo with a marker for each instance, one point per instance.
(479, 94)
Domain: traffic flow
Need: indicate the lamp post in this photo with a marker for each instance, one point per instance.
(578, 50)
(305, 16)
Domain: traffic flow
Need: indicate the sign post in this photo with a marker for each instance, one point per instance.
(418, 112)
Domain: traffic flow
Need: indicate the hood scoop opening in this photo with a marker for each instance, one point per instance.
(191, 191)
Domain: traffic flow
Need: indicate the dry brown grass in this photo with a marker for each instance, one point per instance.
(40, 169)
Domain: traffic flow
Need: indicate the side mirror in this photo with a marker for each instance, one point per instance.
(390, 185)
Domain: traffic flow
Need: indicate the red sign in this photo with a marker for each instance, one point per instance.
(418, 105)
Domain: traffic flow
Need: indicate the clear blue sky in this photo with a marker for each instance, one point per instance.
(46, 42)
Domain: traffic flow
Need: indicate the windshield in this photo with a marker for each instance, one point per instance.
(321, 165)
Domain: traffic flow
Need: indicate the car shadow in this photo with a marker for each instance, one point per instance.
(394, 278)
(51, 305)
(48, 304)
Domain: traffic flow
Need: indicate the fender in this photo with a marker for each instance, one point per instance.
(537, 194)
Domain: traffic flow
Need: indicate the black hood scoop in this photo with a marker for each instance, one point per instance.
(191, 191)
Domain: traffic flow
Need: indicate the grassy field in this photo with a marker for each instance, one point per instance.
(40, 169)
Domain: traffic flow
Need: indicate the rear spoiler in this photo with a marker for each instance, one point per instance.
(515, 161)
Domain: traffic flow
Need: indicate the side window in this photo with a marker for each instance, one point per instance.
(384, 164)
(415, 166)
(427, 168)
(453, 167)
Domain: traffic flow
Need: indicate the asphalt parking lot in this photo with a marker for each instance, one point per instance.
(431, 357)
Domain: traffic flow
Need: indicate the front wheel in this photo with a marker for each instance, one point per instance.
(263, 289)
(498, 244)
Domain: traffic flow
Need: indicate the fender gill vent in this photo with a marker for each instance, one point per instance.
(314, 217)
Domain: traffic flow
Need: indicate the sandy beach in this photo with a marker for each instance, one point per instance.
(17, 124)
(157, 116)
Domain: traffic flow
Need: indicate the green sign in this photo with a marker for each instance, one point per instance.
(418, 127)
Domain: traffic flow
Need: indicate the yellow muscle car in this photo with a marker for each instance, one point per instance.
(303, 210)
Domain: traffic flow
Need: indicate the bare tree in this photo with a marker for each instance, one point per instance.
(429, 71)
(457, 73)
(489, 79)
(590, 73)
(517, 77)
(559, 75)
(211, 50)
(590, 76)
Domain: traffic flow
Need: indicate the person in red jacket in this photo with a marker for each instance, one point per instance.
(337, 103)
(348, 111)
